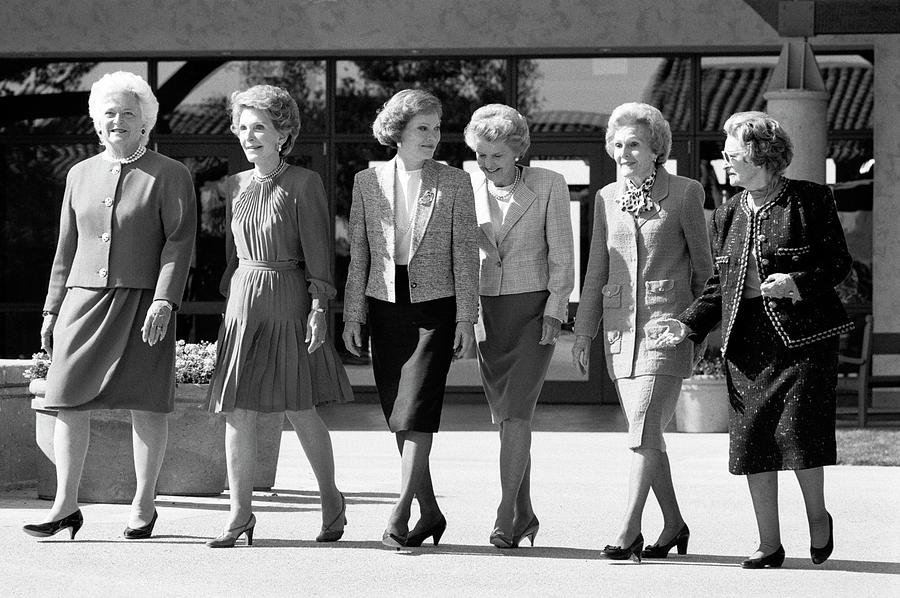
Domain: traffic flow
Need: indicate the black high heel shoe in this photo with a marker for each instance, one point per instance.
(820, 555)
(329, 533)
(435, 532)
(230, 538)
(143, 532)
(774, 560)
(44, 530)
(661, 551)
(617, 553)
(529, 532)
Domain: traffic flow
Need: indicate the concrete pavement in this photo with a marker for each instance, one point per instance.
(580, 472)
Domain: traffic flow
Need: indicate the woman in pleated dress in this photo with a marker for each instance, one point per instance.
(273, 354)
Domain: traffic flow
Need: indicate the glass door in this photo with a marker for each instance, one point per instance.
(586, 168)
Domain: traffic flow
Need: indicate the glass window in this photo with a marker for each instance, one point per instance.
(730, 84)
(462, 86)
(200, 91)
(577, 95)
(32, 181)
(51, 97)
(849, 80)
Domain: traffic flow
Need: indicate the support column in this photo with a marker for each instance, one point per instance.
(886, 200)
(797, 99)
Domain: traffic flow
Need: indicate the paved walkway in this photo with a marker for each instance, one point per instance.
(579, 478)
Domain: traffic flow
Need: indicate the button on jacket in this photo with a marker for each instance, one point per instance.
(125, 225)
(642, 269)
(534, 250)
(443, 258)
(798, 233)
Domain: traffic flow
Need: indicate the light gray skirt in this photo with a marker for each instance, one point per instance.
(649, 404)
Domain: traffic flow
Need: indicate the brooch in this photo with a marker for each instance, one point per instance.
(426, 198)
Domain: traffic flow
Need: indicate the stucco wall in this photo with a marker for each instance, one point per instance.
(172, 27)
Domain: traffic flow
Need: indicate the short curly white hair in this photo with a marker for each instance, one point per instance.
(124, 82)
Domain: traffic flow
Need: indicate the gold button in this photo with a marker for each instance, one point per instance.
(105, 237)
(102, 272)
(107, 202)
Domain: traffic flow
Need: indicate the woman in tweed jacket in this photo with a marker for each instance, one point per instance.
(780, 251)
(527, 274)
(649, 259)
(413, 277)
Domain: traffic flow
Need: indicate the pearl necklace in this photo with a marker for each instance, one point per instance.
(511, 188)
(268, 177)
(140, 151)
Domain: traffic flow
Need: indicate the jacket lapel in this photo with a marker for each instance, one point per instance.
(523, 198)
(385, 202)
(424, 204)
(658, 193)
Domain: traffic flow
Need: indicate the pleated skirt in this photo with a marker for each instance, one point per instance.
(99, 358)
(513, 365)
(412, 349)
(783, 400)
(262, 363)
(649, 405)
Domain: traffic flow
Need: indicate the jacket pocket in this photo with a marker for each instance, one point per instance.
(614, 341)
(791, 259)
(612, 295)
(659, 291)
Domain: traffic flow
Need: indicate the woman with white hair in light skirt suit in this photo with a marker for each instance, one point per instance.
(649, 259)
(527, 273)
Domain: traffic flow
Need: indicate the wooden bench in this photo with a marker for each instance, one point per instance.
(863, 382)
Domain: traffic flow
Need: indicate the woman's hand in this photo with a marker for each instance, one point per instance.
(353, 338)
(581, 353)
(780, 286)
(674, 334)
(463, 338)
(157, 322)
(47, 327)
(550, 331)
(316, 328)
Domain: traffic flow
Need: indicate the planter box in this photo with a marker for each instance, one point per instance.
(18, 454)
(194, 464)
(703, 405)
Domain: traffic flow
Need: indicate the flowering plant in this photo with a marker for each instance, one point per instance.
(40, 363)
(711, 364)
(194, 362)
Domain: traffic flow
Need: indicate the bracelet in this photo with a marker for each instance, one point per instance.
(319, 310)
(47, 313)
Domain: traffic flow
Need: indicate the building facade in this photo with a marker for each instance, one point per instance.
(564, 64)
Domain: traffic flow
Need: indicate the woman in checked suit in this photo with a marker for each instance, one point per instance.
(649, 259)
(413, 276)
(527, 273)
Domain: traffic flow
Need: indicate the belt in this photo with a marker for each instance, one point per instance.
(266, 265)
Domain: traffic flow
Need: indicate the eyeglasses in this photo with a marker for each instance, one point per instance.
(729, 157)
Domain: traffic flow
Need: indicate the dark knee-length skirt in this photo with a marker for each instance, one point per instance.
(783, 400)
(513, 365)
(412, 349)
(99, 358)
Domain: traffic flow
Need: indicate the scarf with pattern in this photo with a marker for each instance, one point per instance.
(637, 199)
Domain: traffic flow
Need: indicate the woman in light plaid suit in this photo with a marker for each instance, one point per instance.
(650, 257)
(527, 273)
(412, 277)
